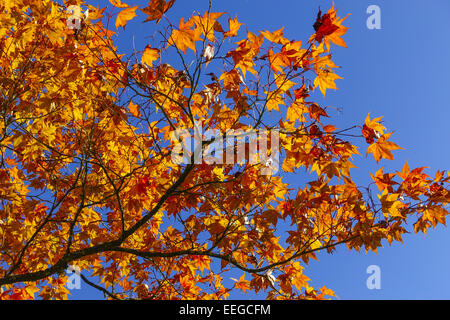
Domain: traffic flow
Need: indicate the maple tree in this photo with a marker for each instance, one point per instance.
(86, 172)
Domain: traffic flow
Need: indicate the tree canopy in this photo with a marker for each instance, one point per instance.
(87, 170)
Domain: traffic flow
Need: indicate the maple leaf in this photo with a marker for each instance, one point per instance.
(405, 171)
(79, 140)
(143, 185)
(329, 27)
(295, 112)
(234, 26)
(156, 9)
(150, 54)
(124, 16)
(384, 181)
(276, 36)
(283, 83)
(324, 26)
(31, 290)
(184, 38)
(382, 148)
(390, 204)
(273, 101)
(374, 124)
(207, 24)
(118, 4)
(242, 284)
(327, 292)
(95, 13)
(134, 109)
(219, 173)
(368, 134)
(325, 80)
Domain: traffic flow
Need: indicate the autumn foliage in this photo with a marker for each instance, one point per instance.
(86, 176)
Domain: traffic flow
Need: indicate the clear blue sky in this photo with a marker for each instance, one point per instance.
(400, 72)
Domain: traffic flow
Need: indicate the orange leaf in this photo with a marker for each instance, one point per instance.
(134, 109)
(234, 27)
(118, 4)
(325, 80)
(184, 37)
(276, 36)
(329, 128)
(242, 284)
(150, 55)
(382, 148)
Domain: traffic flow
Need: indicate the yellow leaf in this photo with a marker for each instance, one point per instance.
(325, 80)
(124, 16)
(316, 245)
(219, 173)
(295, 112)
(31, 290)
(273, 101)
(276, 36)
(374, 124)
(283, 83)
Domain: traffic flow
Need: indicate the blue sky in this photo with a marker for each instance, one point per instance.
(399, 72)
